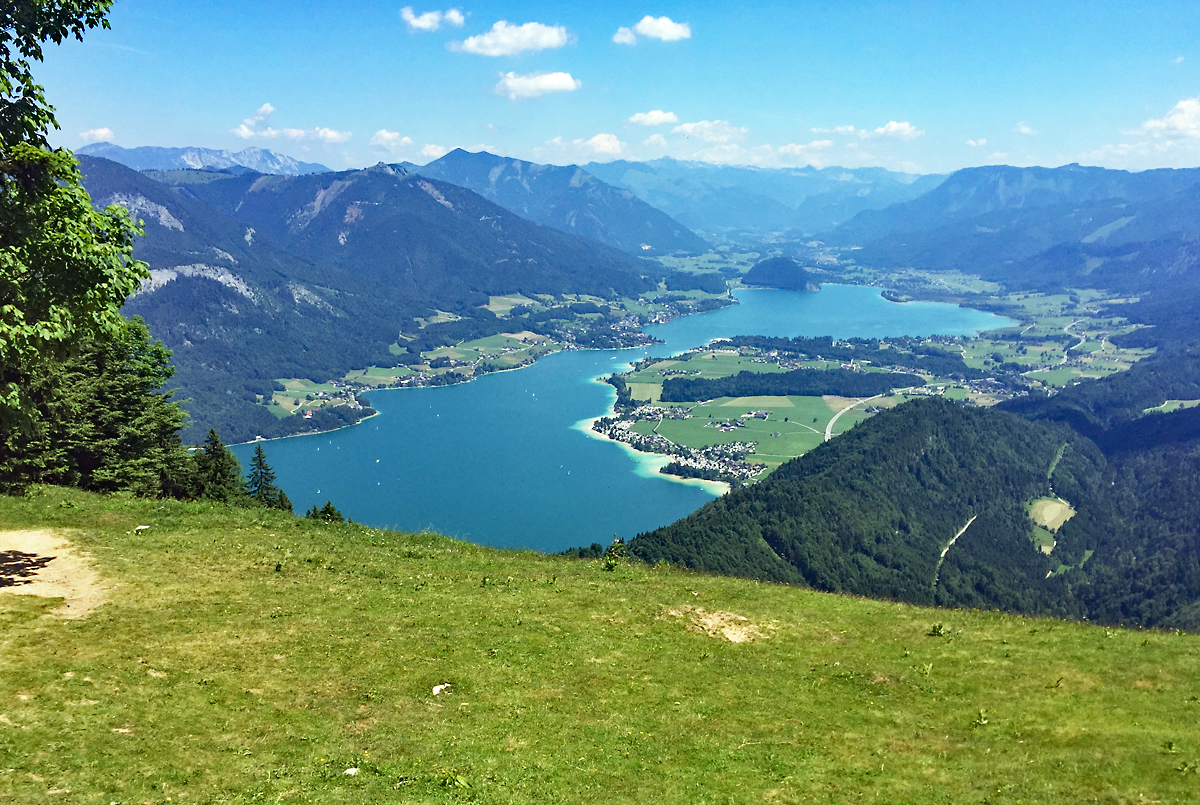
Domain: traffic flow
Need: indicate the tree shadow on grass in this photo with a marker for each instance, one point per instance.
(20, 567)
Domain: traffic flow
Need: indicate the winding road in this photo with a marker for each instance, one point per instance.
(829, 426)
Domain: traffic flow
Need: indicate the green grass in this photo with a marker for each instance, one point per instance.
(1055, 377)
(246, 656)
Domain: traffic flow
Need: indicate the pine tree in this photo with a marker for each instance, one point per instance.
(262, 486)
(218, 470)
(328, 513)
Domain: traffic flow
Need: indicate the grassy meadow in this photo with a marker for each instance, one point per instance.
(247, 656)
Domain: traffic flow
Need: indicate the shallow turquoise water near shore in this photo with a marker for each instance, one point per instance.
(500, 461)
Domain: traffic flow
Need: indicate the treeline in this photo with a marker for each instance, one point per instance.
(911, 354)
(799, 382)
(100, 421)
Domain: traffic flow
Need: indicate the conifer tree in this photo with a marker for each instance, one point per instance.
(262, 486)
(219, 473)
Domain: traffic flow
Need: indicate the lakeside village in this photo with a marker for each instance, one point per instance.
(719, 462)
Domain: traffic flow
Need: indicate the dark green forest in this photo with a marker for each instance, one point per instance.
(781, 272)
(799, 382)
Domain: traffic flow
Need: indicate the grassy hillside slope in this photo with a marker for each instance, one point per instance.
(245, 656)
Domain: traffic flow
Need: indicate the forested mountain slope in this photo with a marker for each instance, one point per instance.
(436, 243)
(568, 199)
(871, 512)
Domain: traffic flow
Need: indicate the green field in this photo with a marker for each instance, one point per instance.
(244, 656)
(795, 426)
(1173, 405)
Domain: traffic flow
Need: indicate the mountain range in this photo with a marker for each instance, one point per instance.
(1049, 229)
(150, 157)
(746, 204)
(569, 199)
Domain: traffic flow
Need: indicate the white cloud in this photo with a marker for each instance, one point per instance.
(712, 131)
(509, 40)
(625, 36)
(812, 153)
(1172, 140)
(101, 135)
(656, 117)
(561, 150)
(250, 128)
(391, 140)
(903, 130)
(433, 151)
(655, 141)
(1183, 119)
(1023, 128)
(661, 28)
(331, 135)
(980, 143)
(605, 144)
(797, 149)
(535, 84)
(247, 129)
(430, 20)
(1177, 60)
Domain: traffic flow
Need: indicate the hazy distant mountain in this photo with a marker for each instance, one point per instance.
(725, 201)
(1136, 234)
(256, 277)
(1035, 227)
(1007, 191)
(569, 199)
(150, 157)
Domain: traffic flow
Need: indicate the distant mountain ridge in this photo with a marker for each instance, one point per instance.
(741, 202)
(569, 199)
(1048, 229)
(149, 157)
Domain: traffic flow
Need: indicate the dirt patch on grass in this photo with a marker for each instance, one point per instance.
(44, 563)
(727, 625)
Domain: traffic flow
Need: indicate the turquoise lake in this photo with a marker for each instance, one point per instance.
(506, 461)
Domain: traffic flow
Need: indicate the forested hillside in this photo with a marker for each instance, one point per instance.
(871, 512)
(781, 272)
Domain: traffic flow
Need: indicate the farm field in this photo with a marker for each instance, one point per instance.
(1050, 513)
(244, 656)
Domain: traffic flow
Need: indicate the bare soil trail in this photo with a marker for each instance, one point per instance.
(45, 563)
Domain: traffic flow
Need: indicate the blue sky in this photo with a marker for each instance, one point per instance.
(923, 87)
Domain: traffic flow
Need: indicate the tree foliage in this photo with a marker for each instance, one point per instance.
(100, 421)
(261, 486)
(65, 268)
(25, 116)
